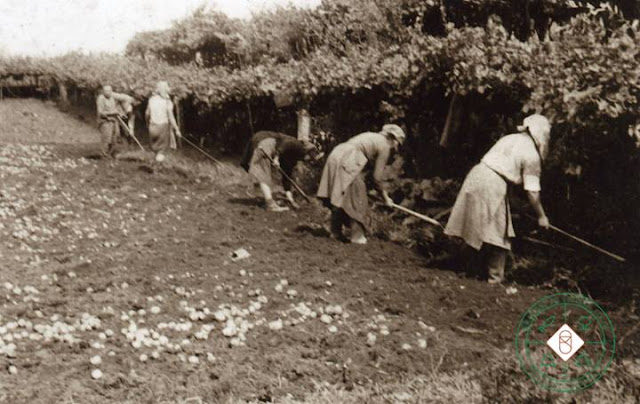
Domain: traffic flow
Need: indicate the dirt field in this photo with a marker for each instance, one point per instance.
(132, 262)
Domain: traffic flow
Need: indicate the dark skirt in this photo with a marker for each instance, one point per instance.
(160, 137)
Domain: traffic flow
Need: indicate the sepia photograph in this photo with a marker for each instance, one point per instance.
(319, 201)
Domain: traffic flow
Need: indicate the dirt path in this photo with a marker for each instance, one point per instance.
(108, 259)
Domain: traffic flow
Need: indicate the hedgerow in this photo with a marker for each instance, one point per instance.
(585, 65)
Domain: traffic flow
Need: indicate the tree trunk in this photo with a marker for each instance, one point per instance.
(250, 115)
(304, 125)
(64, 97)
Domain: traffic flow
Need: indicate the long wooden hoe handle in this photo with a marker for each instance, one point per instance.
(588, 244)
(419, 215)
(209, 156)
(584, 242)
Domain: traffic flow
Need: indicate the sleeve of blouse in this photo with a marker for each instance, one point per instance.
(378, 170)
(531, 171)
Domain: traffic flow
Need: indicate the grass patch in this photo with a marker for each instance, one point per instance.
(457, 387)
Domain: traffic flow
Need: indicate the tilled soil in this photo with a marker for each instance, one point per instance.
(132, 262)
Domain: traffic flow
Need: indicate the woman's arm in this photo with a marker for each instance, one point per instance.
(290, 152)
(147, 115)
(123, 98)
(531, 173)
(534, 200)
(172, 119)
(378, 171)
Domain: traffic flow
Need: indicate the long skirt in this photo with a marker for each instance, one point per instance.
(342, 184)
(481, 213)
(252, 144)
(260, 165)
(160, 136)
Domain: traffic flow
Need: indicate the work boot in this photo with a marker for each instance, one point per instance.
(272, 206)
(496, 262)
(337, 221)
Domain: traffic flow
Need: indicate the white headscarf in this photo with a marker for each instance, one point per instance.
(162, 89)
(539, 127)
(395, 131)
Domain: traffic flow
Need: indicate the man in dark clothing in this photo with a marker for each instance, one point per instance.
(267, 149)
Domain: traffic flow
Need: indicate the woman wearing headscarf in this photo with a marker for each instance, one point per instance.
(481, 214)
(342, 187)
(267, 149)
(161, 121)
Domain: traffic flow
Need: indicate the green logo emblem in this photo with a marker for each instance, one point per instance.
(565, 342)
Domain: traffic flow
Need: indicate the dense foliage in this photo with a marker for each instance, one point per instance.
(589, 62)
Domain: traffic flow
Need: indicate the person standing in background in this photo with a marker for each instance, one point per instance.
(109, 106)
(161, 121)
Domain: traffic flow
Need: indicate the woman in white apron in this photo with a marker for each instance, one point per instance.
(481, 215)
